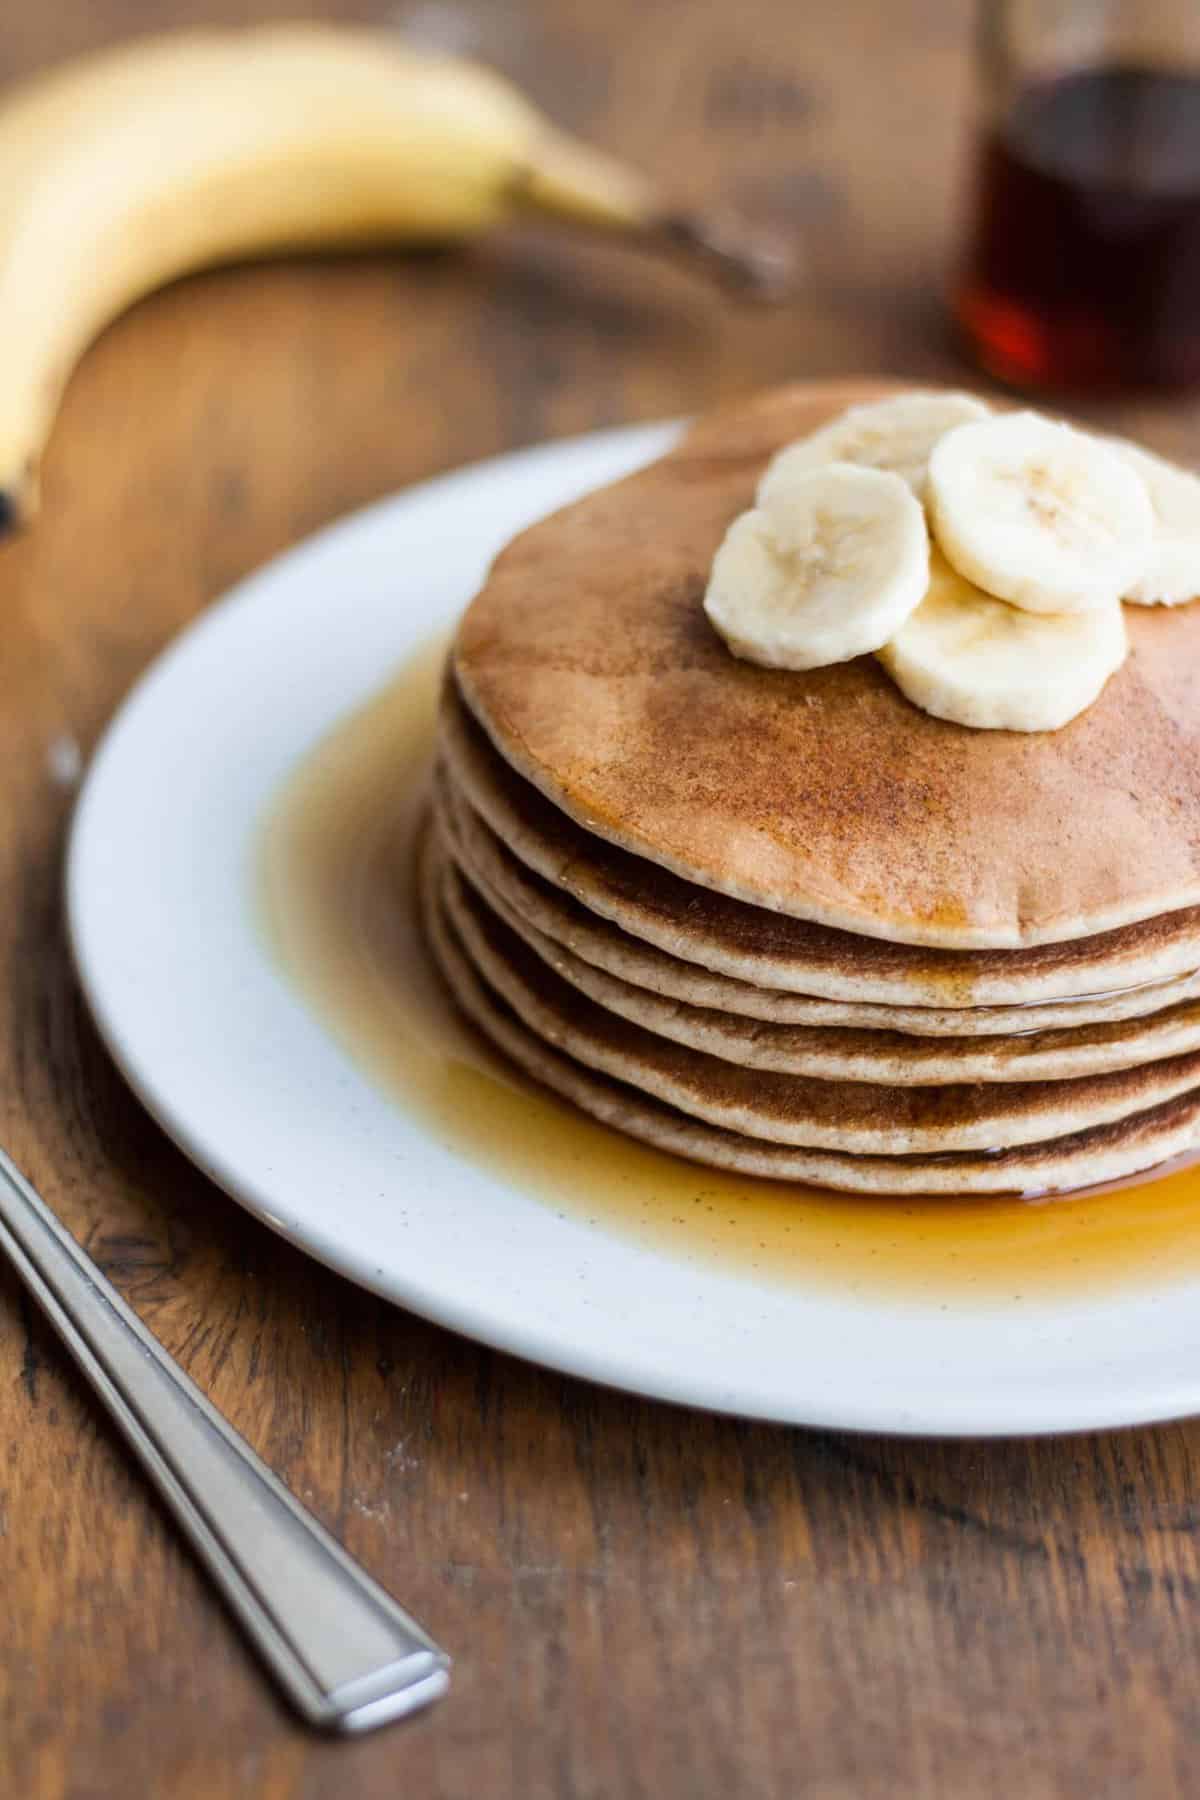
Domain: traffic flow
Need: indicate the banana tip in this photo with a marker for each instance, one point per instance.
(18, 495)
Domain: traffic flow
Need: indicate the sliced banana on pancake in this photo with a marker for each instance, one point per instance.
(1171, 575)
(896, 434)
(974, 660)
(826, 570)
(1039, 514)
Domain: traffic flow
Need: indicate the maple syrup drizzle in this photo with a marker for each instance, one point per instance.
(338, 904)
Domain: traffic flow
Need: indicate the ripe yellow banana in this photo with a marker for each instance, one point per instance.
(124, 170)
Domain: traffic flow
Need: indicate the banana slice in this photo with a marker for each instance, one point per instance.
(977, 661)
(1172, 572)
(826, 570)
(1039, 514)
(896, 434)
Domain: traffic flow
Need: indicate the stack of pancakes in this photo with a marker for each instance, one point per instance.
(786, 923)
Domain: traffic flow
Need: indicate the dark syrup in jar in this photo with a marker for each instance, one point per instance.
(1084, 270)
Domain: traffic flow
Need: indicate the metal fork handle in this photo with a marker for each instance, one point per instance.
(345, 1654)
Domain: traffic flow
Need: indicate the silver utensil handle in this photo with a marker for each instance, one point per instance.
(346, 1655)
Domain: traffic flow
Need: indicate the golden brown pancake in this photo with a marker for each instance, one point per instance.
(1106, 1153)
(789, 1109)
(754, 944)
(822, 796)
(839, 1053)
(542, 912)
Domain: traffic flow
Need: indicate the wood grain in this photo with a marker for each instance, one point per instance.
(642, 1601)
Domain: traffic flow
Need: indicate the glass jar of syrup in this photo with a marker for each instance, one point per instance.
(1083, 265)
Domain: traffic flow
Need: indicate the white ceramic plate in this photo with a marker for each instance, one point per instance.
(251, 1083)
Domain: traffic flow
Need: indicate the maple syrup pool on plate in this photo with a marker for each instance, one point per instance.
(338, 899)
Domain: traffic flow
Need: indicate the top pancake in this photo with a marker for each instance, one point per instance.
(825, 796)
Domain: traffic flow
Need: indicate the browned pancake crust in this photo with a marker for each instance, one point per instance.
(1107, 1153)
(845, 1053)
(534, 904)
(759, 945)
(792, 1109)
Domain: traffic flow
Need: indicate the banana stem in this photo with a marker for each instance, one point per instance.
(569, 180)
(760, 268)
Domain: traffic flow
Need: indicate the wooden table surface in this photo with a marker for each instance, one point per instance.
(642, 1601)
